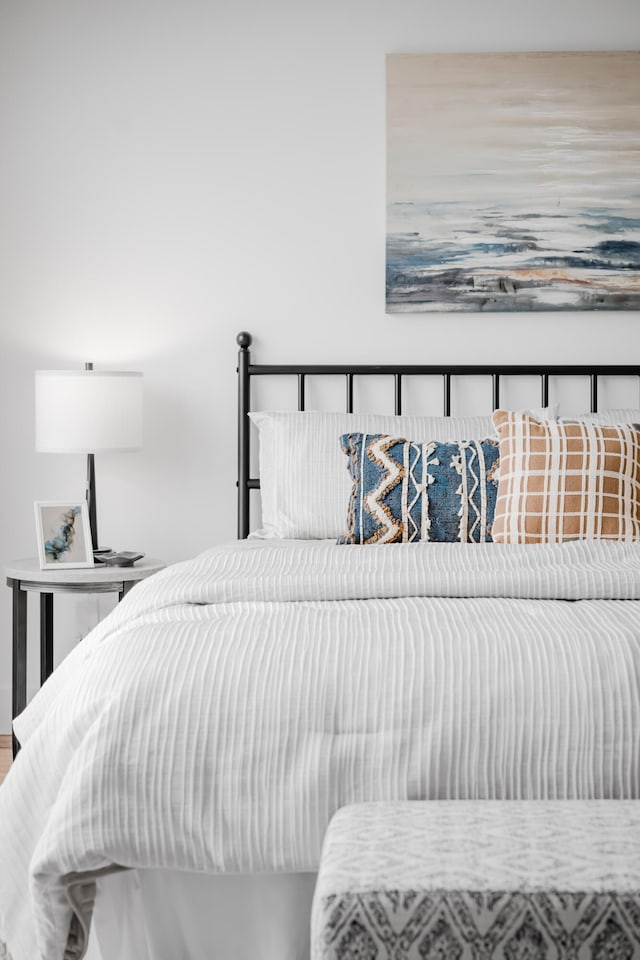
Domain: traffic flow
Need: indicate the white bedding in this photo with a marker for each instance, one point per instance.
(229, 705)
(174, 915)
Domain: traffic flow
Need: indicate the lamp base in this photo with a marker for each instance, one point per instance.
(100, 550)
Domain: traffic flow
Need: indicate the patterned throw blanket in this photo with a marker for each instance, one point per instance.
(229, 705)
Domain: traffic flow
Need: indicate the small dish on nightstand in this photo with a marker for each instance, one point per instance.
(125, 558)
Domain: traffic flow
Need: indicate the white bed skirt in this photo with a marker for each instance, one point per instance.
(165, 914)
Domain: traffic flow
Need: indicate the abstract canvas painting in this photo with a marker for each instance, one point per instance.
(513, 182)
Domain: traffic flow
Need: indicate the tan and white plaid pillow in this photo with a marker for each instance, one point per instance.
(566, 480)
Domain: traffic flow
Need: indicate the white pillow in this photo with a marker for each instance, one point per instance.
(304, 480)
(608, 418)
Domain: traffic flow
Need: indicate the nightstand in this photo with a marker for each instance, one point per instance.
(24, 576)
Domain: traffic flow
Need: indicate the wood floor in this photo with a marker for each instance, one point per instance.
(5, 755)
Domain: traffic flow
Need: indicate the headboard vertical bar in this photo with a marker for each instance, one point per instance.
(495, 377)
(301, 384)
(545, 389)
(594, 392)
(397, 404)
(244, 405)
(447, 394)
(349, 392)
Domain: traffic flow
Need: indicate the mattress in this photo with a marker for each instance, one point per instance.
(215, 721)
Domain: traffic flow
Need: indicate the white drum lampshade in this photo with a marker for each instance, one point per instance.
(88, 411)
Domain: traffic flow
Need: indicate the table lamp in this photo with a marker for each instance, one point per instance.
(88, 411)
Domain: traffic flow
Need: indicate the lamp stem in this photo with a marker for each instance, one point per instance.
(91, 490)
(91, 500)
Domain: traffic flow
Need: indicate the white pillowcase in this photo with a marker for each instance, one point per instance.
(608, 418)
(304, 480)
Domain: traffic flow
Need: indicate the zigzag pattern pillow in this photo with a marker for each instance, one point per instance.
(403, 491)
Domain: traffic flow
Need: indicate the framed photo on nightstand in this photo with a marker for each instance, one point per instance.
(64, 535)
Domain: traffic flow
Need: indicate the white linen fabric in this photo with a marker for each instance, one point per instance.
(607, 417)
(172, 914)
(231, 704)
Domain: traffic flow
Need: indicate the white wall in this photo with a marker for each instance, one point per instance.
(174, 171)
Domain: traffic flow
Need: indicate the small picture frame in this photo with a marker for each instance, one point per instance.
(64, 534)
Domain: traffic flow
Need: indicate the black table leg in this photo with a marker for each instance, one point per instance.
(46, 636)
(124, 589)
(19, 664)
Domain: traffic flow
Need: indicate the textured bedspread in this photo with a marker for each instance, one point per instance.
(229, 705)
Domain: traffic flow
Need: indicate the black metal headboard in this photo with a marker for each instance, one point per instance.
(248, 369)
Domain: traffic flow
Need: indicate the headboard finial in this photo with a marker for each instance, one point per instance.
(244, 340)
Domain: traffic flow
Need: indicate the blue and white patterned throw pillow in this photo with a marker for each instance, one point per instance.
(405, 491)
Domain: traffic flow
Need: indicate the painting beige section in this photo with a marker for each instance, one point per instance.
(538, 127)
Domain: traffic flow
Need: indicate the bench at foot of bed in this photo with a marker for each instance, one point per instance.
(474, 880)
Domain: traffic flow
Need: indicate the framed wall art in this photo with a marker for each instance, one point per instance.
(513, 182)
(64, 536)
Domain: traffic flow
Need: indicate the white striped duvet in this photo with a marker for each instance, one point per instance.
(229, 705)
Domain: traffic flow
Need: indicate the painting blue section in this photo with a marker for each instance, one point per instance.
(455, 256)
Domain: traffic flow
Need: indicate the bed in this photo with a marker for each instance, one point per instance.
(178, 770)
